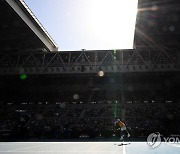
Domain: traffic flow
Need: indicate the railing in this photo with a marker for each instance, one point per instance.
(109, 61)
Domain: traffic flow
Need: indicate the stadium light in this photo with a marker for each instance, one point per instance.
(101, 73)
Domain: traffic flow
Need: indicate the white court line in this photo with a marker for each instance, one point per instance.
(53, 143)
(59, 151)
(124, 150)
(26, 148)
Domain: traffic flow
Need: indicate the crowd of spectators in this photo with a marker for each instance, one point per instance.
(75, 121)
(145, 118)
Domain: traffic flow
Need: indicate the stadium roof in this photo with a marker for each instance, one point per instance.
(21, 30)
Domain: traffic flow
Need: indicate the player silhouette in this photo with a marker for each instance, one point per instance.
(120, 126)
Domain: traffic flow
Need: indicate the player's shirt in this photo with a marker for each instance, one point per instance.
(120, 124)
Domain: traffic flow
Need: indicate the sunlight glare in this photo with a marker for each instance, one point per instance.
(88, 24)
(112, 22)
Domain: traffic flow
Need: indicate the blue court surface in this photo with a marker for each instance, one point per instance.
(86, 148)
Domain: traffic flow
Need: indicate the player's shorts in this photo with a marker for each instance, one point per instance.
(123, 128)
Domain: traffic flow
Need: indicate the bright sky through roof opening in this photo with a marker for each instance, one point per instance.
(88, 24)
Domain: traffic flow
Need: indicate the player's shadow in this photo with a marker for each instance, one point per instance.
(123, 144)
